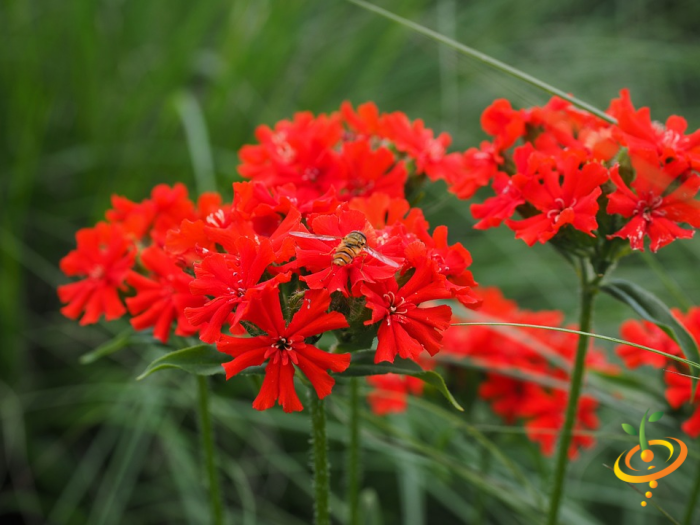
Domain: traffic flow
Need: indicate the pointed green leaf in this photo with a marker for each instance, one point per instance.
(649, 307)
(399, 366)
(655, 417)
(629, 429)
(105, 349)
(202, 360)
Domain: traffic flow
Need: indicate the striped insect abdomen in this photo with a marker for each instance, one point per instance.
(350, 247)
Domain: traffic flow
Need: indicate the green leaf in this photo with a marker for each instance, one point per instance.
(400, 366)
(629, 429)
(201, 360)
(105, 349)
(649, 307)
(655, 417)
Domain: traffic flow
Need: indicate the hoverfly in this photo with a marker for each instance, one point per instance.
(352, 245)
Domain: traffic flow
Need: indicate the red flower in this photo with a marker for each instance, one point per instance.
(298, 151)
(647, 334)
(317, 255)
(479, 166)
(380, 209)
(654, 209)
(546, 412)
(162, 297)
(678, 393)
(669, 141)
(414, 139)
(228, 280)
(104, 255)
(283, 347)
(405, 329)
(495, 210)
(573, 202)
(390, 393)
(364, 121)
(371, 171)
(504, 123)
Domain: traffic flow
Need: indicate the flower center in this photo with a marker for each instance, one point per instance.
(283, 149)
(283, 344)
(217, 219)
(396, 307)
(648, 207)
(556, 212)
(282, 349)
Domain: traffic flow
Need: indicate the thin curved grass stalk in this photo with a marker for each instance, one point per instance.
(486, 59)
(539, 347)
(588, 334)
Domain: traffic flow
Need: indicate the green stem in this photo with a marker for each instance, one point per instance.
(354, 473)
(208, 448)
(688, 518)
(588, 292)
(319, 460)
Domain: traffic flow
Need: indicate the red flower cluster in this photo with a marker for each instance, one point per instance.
(352, 153)
(551, 165)
(524, 366)
(678, 387)
(323, 225)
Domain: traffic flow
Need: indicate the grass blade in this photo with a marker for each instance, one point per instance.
(486, 59)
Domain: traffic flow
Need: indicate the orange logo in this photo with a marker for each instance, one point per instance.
(647, 455)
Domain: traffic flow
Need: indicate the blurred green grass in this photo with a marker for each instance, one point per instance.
(91, 104)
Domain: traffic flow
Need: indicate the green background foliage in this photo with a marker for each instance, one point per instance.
(115, 96)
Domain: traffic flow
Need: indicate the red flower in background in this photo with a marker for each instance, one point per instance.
(283, 347)
(648, 334)
(535, 359)
(298, 151)
(390, 392)
(678, 391)
(504, 123)
(545, 411)
(104, 256)
(162, 297)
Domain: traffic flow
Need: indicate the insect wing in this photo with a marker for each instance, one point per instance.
(374, 253)
(307, 235)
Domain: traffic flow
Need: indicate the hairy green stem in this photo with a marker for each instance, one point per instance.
(688, 518)
(319, 460)
(208, 448)
(354, 474)
(589, 288)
